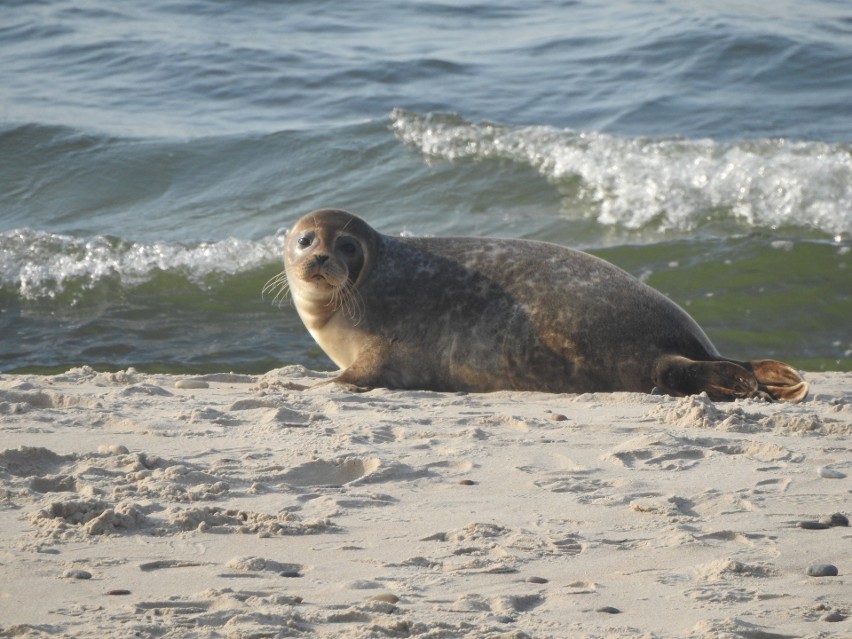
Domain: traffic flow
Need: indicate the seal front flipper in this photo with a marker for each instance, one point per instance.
(778, 380)
(721, 380)
(355, 381)
(352, 388)
(364, 374)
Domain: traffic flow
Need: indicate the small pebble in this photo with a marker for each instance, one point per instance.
(837, 519)
(609, 610)
(289, 573)
(830, 473)
(812, 525)
(191, 383)
(467, 482)
(118, 591)
(77, 574)
(822, 570)
(832, 616)
(558, 417)
(536, 580)
(386, 597)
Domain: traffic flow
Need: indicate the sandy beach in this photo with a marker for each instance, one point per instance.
(239, 506)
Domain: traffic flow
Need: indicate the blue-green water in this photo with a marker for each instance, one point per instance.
(151, 153)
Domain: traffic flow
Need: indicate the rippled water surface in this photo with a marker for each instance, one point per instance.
(152, 153)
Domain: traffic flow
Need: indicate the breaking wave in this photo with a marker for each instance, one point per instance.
(37, 264)
(668, 184)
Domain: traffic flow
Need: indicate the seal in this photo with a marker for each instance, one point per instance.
(480, 315)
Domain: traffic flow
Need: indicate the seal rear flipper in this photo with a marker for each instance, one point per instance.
(778, 380)
(721, 380)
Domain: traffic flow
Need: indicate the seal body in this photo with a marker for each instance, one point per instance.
(478, 315)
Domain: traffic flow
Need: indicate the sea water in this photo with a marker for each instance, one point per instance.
(152, 154)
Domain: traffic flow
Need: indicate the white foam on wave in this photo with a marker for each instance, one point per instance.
(666, 183)
(39, 264)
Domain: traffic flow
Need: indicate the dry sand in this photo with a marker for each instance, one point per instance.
(252, 507)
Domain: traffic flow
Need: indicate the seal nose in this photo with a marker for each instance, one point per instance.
(321, 259)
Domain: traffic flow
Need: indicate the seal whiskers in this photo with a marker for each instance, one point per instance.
(349, 300)
(279, 285)
(346, 298)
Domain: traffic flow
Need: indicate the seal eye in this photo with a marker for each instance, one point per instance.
(304, 241)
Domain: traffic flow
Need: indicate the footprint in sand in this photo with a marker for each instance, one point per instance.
(331, 473)
(349, 470)
(586, 488)
(270, 414)
(28, 461)
(666, 452)
(506, 607)
(259, 564)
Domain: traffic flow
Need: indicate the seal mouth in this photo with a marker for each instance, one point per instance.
(322, 280)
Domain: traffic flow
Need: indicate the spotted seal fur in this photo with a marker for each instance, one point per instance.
(479, 315)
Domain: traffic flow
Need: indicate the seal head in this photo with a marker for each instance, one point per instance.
(328, 253)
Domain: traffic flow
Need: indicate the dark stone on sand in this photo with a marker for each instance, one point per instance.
(467, 482)
(77, 574)
(609, 610)
(832, 617)
(822, 570)
(118, 591)
(837, 519)
(536, 580)
(812, 525)
(289, 573)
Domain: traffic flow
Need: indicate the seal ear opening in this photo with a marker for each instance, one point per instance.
(779, 380)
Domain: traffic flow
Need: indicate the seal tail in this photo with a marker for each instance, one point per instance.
(726, 380)
(778, 380)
